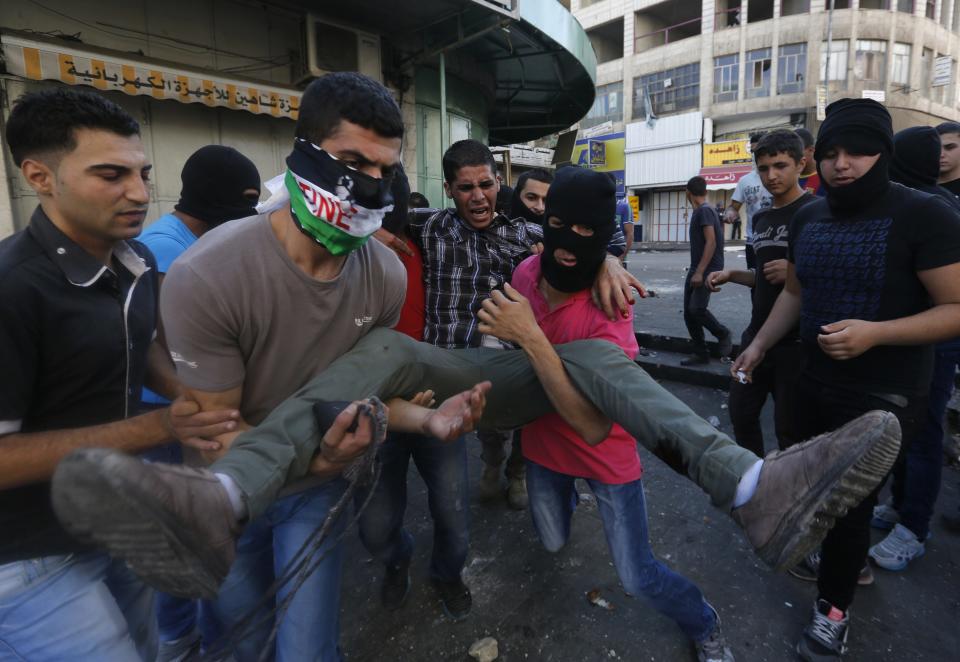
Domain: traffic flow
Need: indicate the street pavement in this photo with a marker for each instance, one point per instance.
(535, 603)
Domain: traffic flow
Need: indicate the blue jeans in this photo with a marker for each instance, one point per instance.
(916, 477)
(75, 607)
(443, 467)
(553, 499)
(310, 630)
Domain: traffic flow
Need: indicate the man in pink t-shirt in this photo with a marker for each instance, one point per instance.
(550, 303)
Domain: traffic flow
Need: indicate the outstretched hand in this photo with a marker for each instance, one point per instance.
(612, 289)
(457, 415)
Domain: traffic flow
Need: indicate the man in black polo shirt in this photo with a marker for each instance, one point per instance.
(874, 280)
(78, 304)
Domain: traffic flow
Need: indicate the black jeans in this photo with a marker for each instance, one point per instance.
(822, 407)
(697, 317)
(777, 375)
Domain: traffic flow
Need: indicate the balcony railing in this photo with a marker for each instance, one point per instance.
(727, 18)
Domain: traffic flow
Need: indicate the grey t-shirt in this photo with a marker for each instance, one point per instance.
(237, 311)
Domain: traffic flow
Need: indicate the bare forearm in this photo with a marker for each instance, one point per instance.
(934, 325)
(567, 401)
(404, 416)
(783, 317)
(31, 457)
(161, 374)
(746, 277)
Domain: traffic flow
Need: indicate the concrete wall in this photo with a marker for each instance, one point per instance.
(811, 28)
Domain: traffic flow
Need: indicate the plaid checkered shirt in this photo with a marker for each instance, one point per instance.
(463, 266)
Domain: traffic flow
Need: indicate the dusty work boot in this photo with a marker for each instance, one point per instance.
(173, 525)
(804, 489)
(517, 493)
(489, 487)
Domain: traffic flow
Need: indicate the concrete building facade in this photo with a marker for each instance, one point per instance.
(196, 72)
(757, 65)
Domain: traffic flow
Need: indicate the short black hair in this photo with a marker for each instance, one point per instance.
(948, 127)
(347, 95)
(780, 141)
(465, 153)
(697, 185)
(537, 175)
(756, 136)
(44, 122)
(504, 197)
(419, 201)
(806, 137)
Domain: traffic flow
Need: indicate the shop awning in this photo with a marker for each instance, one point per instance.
(724, 177)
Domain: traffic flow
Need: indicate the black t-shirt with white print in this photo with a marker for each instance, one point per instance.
(864, 266)
(770, 240)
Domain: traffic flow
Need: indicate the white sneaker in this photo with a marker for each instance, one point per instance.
(897, 550)
(885, 517)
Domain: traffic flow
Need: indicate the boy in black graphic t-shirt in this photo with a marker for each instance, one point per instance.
(874, 280)
(780, 160)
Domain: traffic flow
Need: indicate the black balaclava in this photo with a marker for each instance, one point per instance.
(578, 197)
(214, 179)
(519, 210)
(860, 126)
(504, 195)
(916, 157)
(396, 219)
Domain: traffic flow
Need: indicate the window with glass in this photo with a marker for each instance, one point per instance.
(757, 80)
(607, 105)
(838, 63)
(905, 6)
(871, 63)
(901, 64)
(726, 70)
(792, 68)
(668, 91)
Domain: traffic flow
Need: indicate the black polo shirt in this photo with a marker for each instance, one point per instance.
(74, 336)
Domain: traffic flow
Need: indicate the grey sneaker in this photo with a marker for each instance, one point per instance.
(714, 648)
(804, 489)
(825, 638)
(897, 550)
(517, 493)
(885, 516)
(173, 525)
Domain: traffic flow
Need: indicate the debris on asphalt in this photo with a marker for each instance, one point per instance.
(596, 599)
(484, 650)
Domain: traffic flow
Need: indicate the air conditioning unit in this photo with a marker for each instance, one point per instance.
(329, 46)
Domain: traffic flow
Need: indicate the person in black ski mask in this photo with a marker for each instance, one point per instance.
(579, 227)
(916, 162)
(549, 303)
(873, 278)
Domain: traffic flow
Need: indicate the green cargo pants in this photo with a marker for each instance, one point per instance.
(388, 364)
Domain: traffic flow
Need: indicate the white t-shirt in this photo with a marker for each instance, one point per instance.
(751, 194)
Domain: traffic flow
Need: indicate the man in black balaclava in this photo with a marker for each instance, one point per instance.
(588, 199)
(916, 477)
(219, 184)
(549, 303)
(874, 281)
(916, 162)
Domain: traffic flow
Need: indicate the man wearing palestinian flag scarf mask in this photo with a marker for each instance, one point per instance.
(337, 206)
(261, 305)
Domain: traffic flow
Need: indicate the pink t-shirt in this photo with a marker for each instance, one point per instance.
(550, 441)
